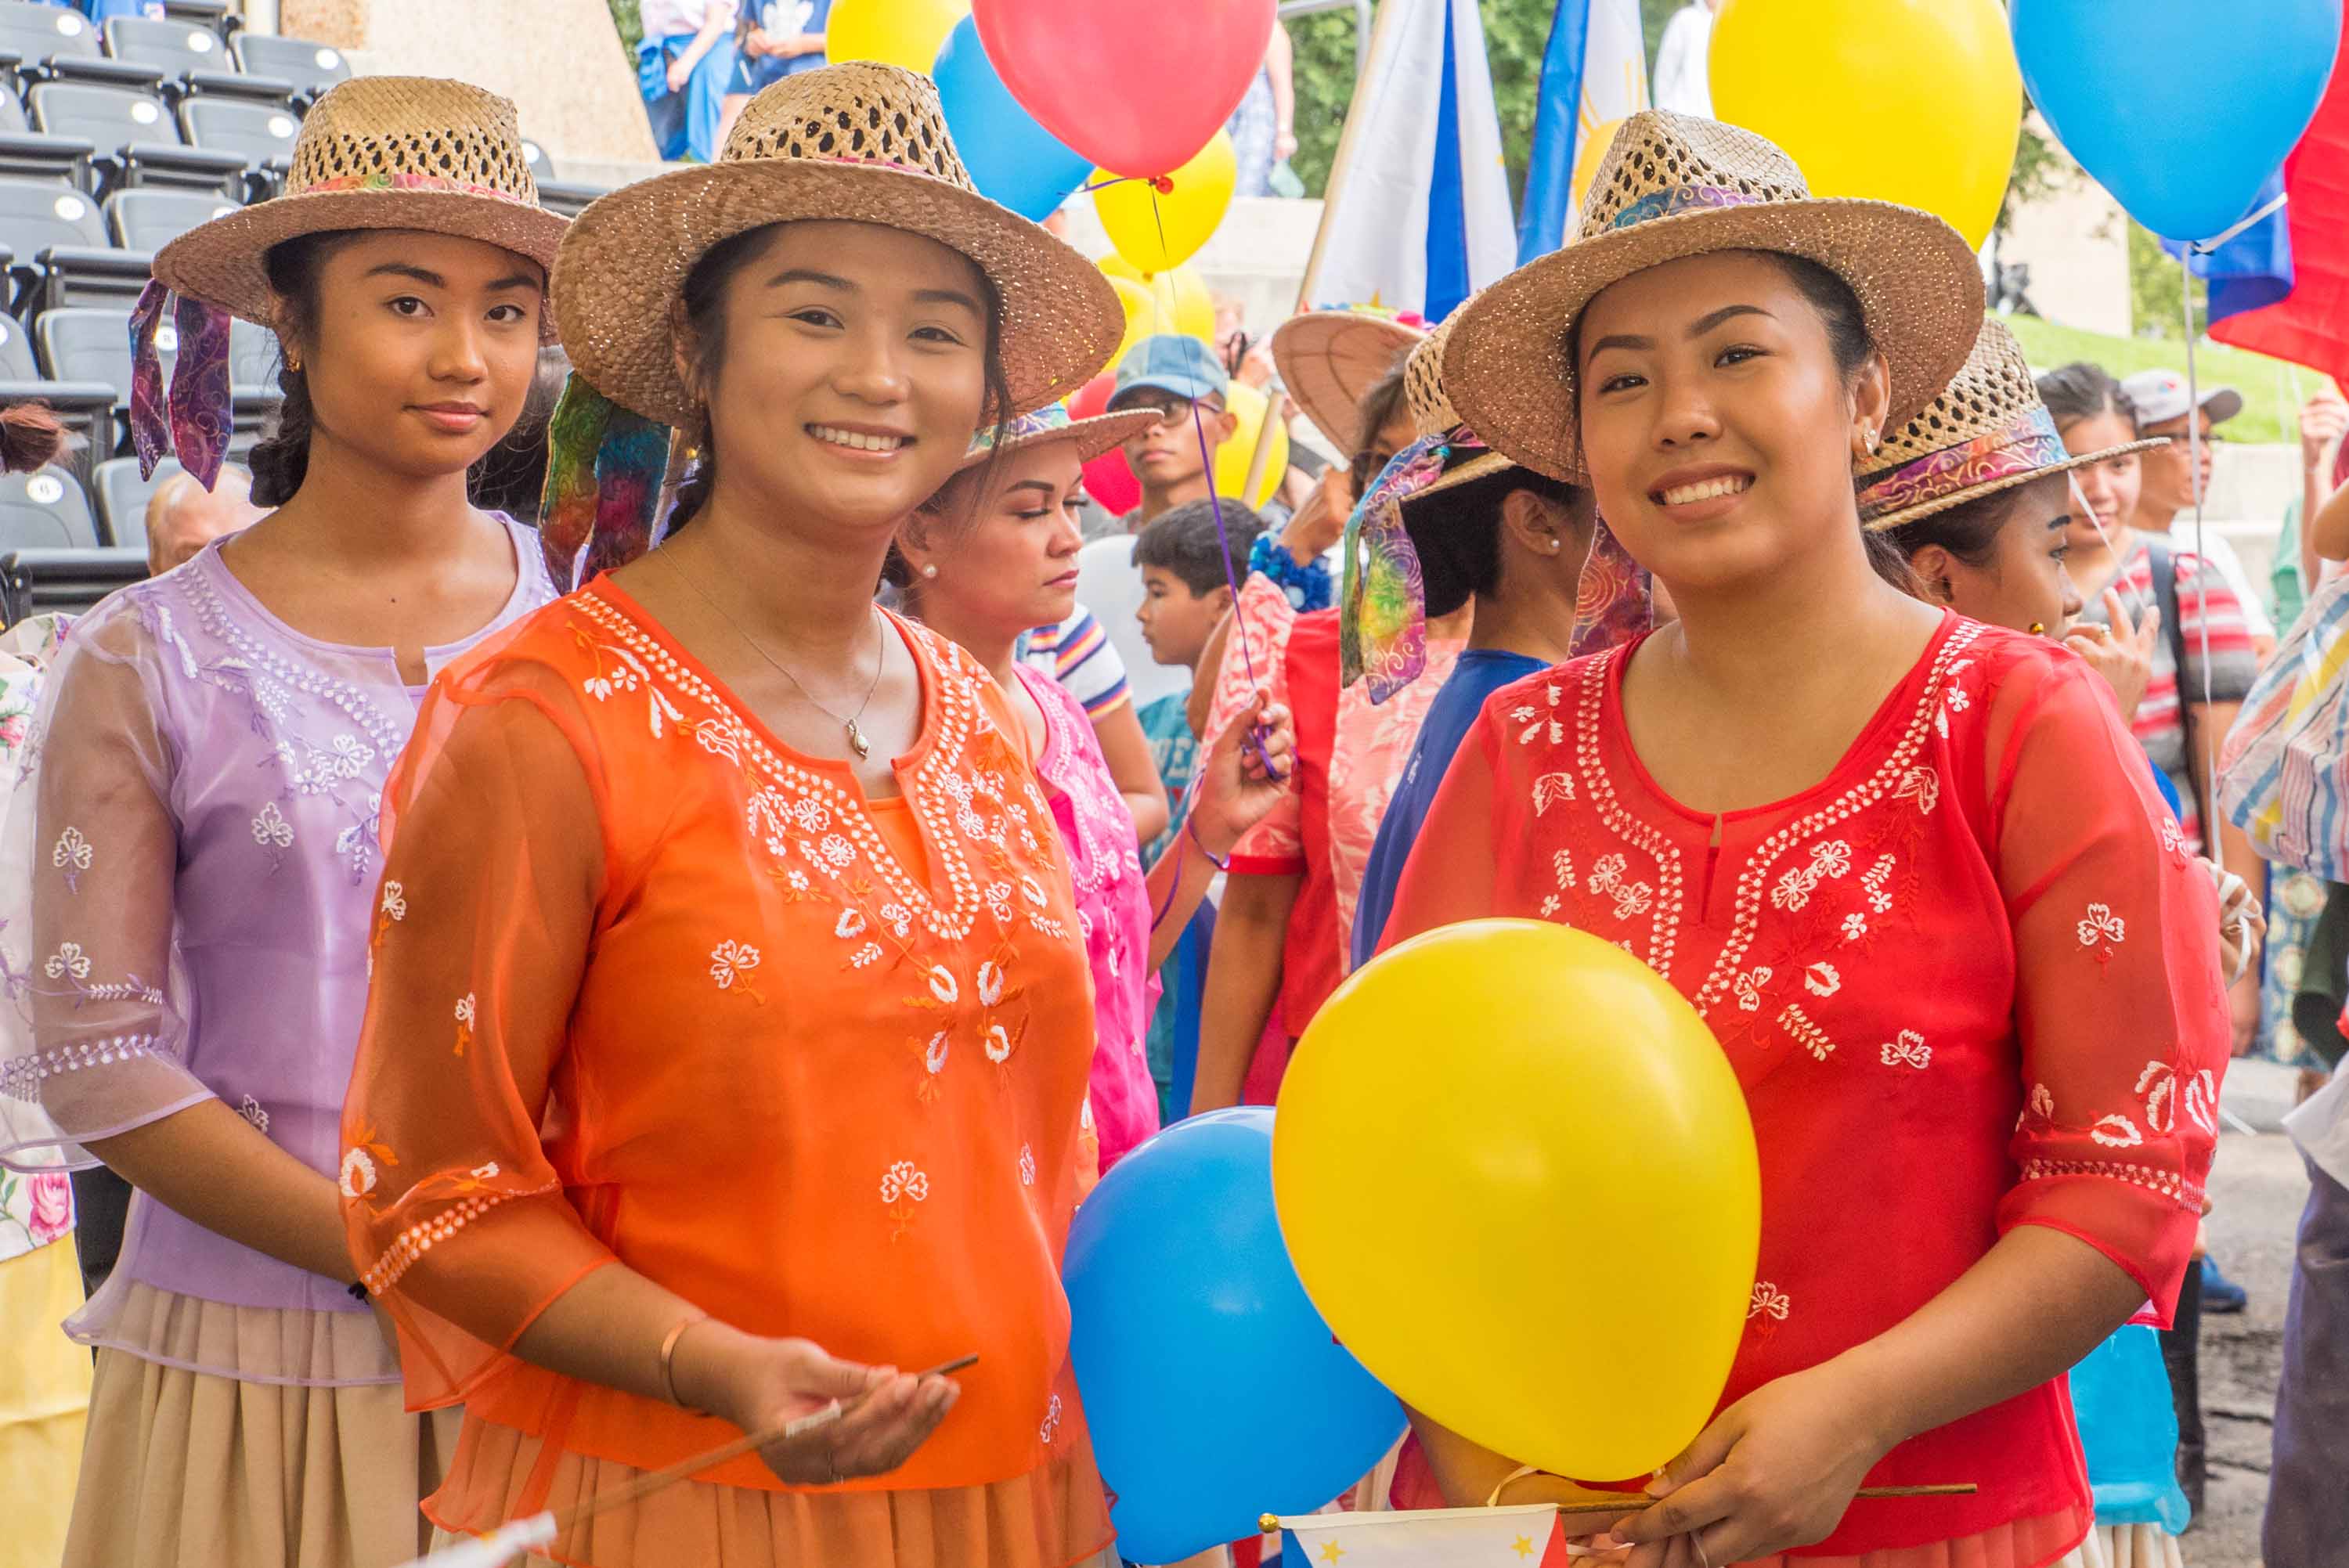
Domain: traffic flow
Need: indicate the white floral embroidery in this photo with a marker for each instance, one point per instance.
(836, 851)
(1561, 865)
(1828, 860)
(904, 1180)
(2173, 838)
(900, 919)
(602, 686)
(484, 1173)
(1748, 987)
(1822, 979)
(1052, 1419)
(1880, 896)
(1768, 1301)
(850, 924)
(465, 1008)
(270, 827)
(934, 1059)
(1909, 1050)
(944, 985)
(358, 1173)
(1921, 785)
(866, 956)
(1026, 1166)
(1634, 897)
(2102, 925)
(990, 983)
(1809, 1036)
(1549, 906)
(1550, 788)
(2117, 1131)
(2158, 1086)
(732, 961)
(72, 856)
(1607, 874)
(1854, 926)
(251, 1111)
(68, 959)
(998, 1042)
(1032, 891)
(395, 902)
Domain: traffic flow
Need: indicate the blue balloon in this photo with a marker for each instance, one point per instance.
(1012, 160)
(2181, 109)
(1214, 1392)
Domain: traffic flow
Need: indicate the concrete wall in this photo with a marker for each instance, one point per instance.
(2076, 244)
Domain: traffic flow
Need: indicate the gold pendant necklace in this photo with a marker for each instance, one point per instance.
(854, 732)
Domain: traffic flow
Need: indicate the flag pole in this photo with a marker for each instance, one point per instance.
(1382, 37)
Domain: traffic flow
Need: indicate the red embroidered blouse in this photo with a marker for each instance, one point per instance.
(1969, 981)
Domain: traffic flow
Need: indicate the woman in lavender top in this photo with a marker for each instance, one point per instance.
(199, 838)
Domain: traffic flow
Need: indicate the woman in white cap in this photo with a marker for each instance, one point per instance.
(730, 1030)
(1906, 866)
(200, 843)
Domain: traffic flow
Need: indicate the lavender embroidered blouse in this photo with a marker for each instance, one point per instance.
(198, 833)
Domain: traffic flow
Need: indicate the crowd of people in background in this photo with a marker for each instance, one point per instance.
(468, 920)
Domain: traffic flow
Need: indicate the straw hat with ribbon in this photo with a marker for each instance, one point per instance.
(855, 142)
(375, 152)
(1328, 357)
(1672, 186)
(1090, 438)
(1987, 432)
(1382, 605)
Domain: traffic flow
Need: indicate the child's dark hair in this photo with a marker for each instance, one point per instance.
(30, 437)
(1968, 530)
(1182, 541)
(1457, 531)
(2080, 391)
(1380, 404)
(1850, 343)
(704, 299)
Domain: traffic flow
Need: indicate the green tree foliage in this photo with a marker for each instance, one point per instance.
(627, 16)
(2157, 290)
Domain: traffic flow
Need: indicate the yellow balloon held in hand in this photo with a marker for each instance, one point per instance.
(1517, 1174)
(907, 33)
(1915, 101)
(1234, 456)
(1158, 231)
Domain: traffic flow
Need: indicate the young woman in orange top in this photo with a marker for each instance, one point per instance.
(730, 1023)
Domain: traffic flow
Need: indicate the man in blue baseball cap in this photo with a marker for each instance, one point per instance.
(1172, 374)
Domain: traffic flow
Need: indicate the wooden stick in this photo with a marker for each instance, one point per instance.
(1381, 37)
(684, 1470)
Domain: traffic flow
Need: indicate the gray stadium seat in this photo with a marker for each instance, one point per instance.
(260, 133)
(64, 255)
(192, 58)
(149, 219)
(252, 355)
(39, 34)
(311, 67)
(45, 511)
(35, 215)
(122, 498)
(138, 141)
(25, 153)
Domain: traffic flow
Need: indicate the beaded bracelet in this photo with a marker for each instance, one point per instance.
(1307, 584)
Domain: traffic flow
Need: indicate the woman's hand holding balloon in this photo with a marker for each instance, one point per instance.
(1774, 1471)
(1245, 772)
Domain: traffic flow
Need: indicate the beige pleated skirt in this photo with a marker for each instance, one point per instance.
(192, 1469)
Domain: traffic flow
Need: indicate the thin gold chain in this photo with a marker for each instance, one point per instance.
(849, 727)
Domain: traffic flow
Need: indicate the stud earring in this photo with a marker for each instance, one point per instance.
(2038, 628)
(1872, 439)
(294, 363)
(929, 569)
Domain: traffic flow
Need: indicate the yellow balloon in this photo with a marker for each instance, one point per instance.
(1593, 153)
(907, 33)
(1234, 457)
(1916, 101)
(1157, 230)
(1457, 1115)
(1182, 290)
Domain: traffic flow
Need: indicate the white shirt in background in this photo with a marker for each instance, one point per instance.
(671, 18)
(1682, 85)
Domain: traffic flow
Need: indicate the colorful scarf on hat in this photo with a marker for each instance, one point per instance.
(1382, 599)
(1612, 602)
(193, 420)
(604, 469)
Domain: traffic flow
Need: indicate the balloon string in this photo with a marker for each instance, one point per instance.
(1163, 183)
(2205, 247)
(1222, 536)
(2202, 560)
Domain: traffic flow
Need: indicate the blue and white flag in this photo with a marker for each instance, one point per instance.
(1594, 76)
(2252, 269)
(1418, 216)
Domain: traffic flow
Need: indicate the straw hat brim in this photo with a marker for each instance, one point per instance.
(1919, 288)
(1469, 472)
(1923, 509)
(1092, 437)
(624, 262)
(1329, 358)
(222, 263)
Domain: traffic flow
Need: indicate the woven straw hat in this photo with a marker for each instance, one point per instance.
(1329, 358)
(1051, 423)
(1672, 186)
(378, 152)
(1988, 431)
(858, 143)
(1432, 413)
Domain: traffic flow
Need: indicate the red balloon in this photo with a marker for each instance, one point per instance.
(1137, 86)
(1109, 479)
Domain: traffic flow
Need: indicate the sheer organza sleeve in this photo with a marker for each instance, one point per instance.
(2119, 1003)
(1451, 874)
(91, 1046)
(458, 1221)
(1256, 656)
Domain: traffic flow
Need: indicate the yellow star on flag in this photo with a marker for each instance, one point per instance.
(1525, 1547)
(1331, 1552)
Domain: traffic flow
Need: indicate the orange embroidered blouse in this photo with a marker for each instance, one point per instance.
(650, 987)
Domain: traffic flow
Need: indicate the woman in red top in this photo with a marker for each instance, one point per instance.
(1905, 864)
